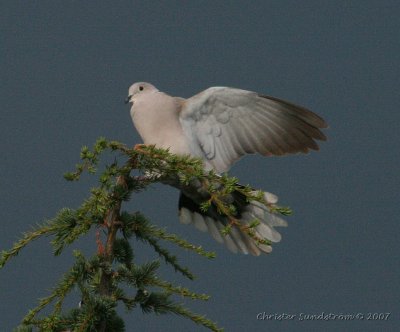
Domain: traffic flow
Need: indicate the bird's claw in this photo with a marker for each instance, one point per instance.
(139, 147)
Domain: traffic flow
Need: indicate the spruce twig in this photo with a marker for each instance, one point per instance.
(101, 278)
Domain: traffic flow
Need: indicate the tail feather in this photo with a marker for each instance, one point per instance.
(199, 222)
(237, 240)
(213, 230)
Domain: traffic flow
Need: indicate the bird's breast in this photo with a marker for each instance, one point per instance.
(158, 124)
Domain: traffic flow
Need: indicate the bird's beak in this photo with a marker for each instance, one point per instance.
(128, 99)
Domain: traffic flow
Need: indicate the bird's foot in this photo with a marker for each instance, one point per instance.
(139, 147)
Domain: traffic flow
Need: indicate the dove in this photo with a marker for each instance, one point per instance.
(220, 125)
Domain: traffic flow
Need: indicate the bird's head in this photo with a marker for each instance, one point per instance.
(138, 89)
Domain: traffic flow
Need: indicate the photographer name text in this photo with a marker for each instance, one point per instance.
(324, 316)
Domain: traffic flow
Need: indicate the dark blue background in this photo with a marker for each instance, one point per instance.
(65, 70)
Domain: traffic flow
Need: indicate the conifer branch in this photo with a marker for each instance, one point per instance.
(101, 279)
(24, 241)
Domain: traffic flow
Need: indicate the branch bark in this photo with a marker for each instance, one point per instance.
(112, 225)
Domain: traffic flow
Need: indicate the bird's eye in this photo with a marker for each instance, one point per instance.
(141, 88)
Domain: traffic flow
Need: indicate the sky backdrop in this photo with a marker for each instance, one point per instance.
(65, 69)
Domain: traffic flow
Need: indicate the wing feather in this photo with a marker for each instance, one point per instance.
(224, 124)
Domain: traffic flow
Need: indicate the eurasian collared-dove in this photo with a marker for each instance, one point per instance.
(219, 125)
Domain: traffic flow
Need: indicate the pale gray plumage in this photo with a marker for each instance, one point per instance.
(220, 125)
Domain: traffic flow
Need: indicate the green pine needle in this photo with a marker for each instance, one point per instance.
(112, 275)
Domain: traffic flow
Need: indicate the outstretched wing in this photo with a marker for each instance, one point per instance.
(223, 124)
